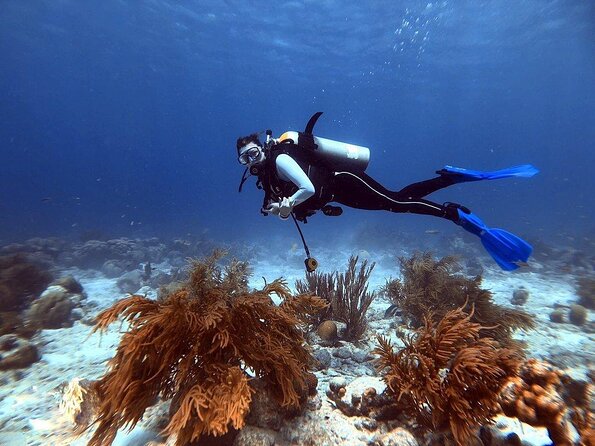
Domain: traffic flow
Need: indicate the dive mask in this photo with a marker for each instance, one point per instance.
(250, 155)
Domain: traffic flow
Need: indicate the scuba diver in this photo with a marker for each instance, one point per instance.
(301, 174)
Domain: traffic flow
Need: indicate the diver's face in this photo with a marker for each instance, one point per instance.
(251, 154)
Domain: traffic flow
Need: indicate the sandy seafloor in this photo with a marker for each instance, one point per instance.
(29, 402)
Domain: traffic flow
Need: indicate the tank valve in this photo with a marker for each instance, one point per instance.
(269, 133)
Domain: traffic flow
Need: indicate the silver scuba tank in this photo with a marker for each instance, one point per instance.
(340, 155)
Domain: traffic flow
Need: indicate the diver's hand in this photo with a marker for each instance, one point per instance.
(285, 208)
(272, 208)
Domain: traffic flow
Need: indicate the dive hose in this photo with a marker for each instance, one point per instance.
(310, 262)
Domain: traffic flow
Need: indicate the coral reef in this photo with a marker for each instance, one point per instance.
(379, 406)
(70, 284)
(544, 396)
(16, 353)
(43, 252)
(347, 295)
(577, 314)
(519, 296)
(195, 345)
(20, 282)
(447, 375)
(586, 292)
(54, 308)
(557, 316)
(267, 412)
(433, 287)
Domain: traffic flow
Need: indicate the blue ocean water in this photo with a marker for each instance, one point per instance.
(118, 126)
(120, 117)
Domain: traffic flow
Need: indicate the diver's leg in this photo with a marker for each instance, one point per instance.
(362, 192)
(450, 175)
(358, 190)
(423, 188)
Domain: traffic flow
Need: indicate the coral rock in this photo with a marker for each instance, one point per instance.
(586, 292)
(336, 383)
(52, 310)
(20, 358)
(577, 314)
(519, 297)
(112, 268)
(8, 342)
(327, 331)
(130, 282)
(20, 282)
(557, 316)
(396, 437)
(265, 410)
(323, 358)
(70, 284)
(255, 436)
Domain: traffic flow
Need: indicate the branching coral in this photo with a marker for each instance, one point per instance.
(433, 287)
(347, 294)
(447, 375)
(78, 404)
(194, 346)
(322, 285)
(544, 396)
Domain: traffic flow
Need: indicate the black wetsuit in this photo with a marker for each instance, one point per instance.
(351, 188)
(359, 190)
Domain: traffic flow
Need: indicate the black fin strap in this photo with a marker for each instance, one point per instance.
(244, 178)
(311, 123)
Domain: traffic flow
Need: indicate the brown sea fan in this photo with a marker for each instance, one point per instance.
(195, 345)
(447, 376)
(434, 287)
(346, 293)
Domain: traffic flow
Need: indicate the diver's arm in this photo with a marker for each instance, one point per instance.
(289, 170)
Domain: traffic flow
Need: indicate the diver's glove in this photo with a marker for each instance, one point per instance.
(272, 208)
(285, 208)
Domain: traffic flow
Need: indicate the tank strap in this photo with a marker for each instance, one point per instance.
(306, 141)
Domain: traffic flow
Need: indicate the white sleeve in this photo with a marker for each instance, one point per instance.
(289, 170)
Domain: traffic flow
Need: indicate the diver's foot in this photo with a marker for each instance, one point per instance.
(454, 177)
(452, 210)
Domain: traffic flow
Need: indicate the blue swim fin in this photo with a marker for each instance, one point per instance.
(462, 175)
(508, 250)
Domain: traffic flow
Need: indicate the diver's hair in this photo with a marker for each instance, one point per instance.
(243, 140)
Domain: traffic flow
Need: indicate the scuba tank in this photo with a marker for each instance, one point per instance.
(339, 155)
